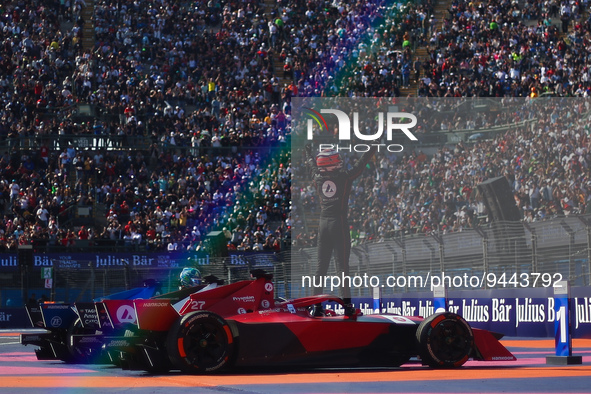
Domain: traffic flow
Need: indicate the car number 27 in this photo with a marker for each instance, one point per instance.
(197, 305)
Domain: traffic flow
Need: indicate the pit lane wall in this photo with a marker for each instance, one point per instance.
(513, 312)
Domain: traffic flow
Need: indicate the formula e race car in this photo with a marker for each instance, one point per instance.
(288, 335)
(137, 329)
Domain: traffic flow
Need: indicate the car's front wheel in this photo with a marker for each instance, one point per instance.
(445, 340)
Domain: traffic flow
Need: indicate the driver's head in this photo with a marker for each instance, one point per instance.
(329, 160)
(190, 277)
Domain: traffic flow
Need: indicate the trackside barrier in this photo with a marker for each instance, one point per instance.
(14, 318)
(562, 328)
(512, 312)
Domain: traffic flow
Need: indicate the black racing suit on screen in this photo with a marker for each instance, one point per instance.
(333, 189)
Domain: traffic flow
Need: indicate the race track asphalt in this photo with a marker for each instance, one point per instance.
(21, 372)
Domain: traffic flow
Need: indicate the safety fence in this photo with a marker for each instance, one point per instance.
(501, 255)
(72, 278)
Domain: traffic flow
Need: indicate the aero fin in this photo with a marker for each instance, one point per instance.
(488, 348)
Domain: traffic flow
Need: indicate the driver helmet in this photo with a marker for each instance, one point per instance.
(190, 277)
(329, 160)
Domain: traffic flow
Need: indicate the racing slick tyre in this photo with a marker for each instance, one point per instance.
(200, 342)
(76, 354)
(445, 340)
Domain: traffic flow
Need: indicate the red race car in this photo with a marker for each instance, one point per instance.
(289, 335)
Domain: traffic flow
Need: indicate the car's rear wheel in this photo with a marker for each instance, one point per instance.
(200, 342)
(78, 354)
(445, 340)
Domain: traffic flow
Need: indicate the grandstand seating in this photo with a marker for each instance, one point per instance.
(179, 96)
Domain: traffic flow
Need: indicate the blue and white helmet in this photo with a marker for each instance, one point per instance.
(190, 277)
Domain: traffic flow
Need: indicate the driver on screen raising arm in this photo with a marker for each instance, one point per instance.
(333, 185)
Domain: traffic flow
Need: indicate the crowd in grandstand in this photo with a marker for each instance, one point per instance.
(494, 49)
(145, 70)
(198, 80)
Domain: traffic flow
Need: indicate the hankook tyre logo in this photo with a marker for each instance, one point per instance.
(329, 189)
(268, 286)
(126, 314)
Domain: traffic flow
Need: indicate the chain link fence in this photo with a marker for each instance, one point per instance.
(504, 254)
(557, 248)
(84, 281)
